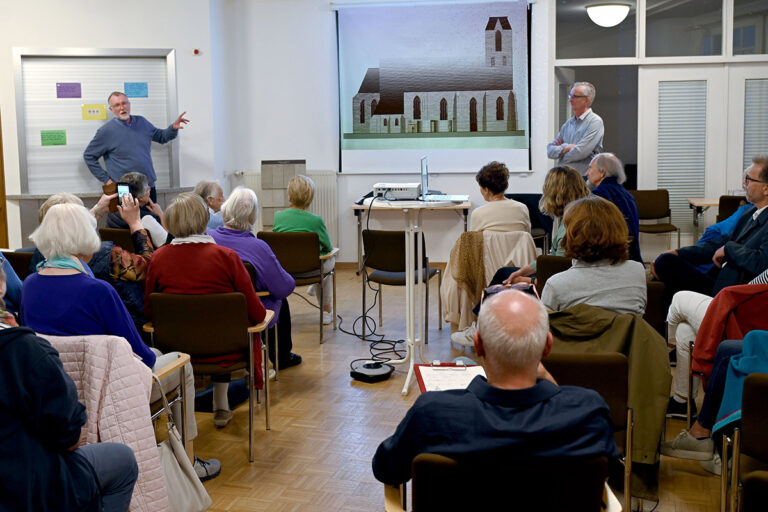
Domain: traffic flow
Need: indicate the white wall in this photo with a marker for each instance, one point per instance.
(284, 77)
(180, 24)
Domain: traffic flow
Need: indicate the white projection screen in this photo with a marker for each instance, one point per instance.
(447, 81)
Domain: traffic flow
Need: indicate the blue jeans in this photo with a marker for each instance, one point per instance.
(116, 471)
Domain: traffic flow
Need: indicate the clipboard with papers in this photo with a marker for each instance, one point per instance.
(443, 376)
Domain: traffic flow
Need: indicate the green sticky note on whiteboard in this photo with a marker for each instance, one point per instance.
(53, 137)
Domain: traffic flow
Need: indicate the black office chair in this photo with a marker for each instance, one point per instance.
(384, 252)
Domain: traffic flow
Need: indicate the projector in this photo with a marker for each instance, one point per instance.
(408, 191)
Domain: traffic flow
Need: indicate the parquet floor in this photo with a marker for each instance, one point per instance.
(326, 426)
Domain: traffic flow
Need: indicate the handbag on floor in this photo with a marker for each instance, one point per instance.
(185, 490)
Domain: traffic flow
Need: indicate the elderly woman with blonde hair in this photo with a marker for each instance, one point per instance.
(240, 212)
(193, 264)
(301, 191)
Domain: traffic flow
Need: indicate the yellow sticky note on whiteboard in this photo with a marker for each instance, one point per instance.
(95, 112)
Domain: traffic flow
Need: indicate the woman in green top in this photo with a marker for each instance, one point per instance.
(301, 191)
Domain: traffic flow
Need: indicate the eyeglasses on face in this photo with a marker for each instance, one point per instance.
(748, 179)
(571, 96)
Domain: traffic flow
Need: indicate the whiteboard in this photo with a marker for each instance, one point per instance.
(46, 169)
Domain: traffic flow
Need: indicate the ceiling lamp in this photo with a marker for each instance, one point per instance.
(607, 15)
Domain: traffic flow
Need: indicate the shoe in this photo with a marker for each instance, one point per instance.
(207, 469)
(327, 317)
(685, 446)
(221, 417)
(272, 374)
(291, 360)
(679, 410)
(312, 290)
(465, 338)
(714, 466)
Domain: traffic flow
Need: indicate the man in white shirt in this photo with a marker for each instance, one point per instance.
(581, 136)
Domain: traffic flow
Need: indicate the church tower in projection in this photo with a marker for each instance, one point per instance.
(498, 42)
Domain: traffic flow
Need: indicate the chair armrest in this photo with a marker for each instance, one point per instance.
(172, 366)
(331, 254)
(148, 327)
(264, 323)
(393, 499)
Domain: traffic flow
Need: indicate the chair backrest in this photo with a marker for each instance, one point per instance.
(605, 372)
(728, 205)
(297, 252)
(200, 325)
(754, 417)
(20, 262)
(385, 250)
(651, 204)
(657, 306)
(547, 266)
(539, 220)
(506, 249)
(120, 237)
(483, 483)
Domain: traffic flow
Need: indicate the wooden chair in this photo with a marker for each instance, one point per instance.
(19, 261)
(727, 206)
(384, 252)
(608, 374)
(264, 293)
(654, 205)
(299, 255)
(484, 482)
(750, 448)
(191, 323)
(547, 266)
(120, 237)
(176, 395)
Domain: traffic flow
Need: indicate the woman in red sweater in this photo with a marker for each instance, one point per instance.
(192, 264)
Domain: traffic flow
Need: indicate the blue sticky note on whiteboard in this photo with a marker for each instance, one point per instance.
(136, 89)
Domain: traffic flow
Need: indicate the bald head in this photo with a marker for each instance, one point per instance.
(513, 327)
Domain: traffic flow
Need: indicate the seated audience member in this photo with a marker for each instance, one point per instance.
(41, 465)
(721, 408)
(12, 283)
(518, 409)
(193, 264)
(685, 317)
(605, 177)
(601, 275)
(562, 185)
(63, 298)
(213, 196)
(7, 318)
(738, 256)
(124, 270)
(301, 191)
(239, 212)
(500, 214)
(152, 218)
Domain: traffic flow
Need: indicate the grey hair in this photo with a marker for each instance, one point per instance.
(115, 93)
(137, 184)
(590, 90)
(67, 229)
(206, 189)
(514, 342)
(240, 209)
(610, 164)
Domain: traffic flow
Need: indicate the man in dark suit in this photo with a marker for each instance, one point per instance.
(738, 256)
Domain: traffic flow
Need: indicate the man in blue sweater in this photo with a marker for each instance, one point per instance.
(125, 144)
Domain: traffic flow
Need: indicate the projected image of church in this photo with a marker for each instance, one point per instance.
(426, 97)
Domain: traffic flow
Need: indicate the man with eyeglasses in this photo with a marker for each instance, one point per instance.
(125, 143)
(516, 412)
(581, 137)
(737, 256)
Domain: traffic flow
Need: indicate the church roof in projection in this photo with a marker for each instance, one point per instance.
(492, 23)
(396, 80)
(371, 81)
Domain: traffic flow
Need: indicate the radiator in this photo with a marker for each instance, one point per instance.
(325, 203)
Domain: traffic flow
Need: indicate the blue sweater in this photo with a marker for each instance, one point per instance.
(72, 305)
(611, 190)
(125, 148)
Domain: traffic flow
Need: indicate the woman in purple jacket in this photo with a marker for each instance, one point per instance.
(239, 212)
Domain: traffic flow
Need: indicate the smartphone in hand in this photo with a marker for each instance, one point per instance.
(122, 189)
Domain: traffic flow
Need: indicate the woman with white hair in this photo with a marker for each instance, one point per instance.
(605, 177)
(240, 211)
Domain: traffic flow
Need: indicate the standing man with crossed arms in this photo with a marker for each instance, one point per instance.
(125, 144)
(581, 136)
